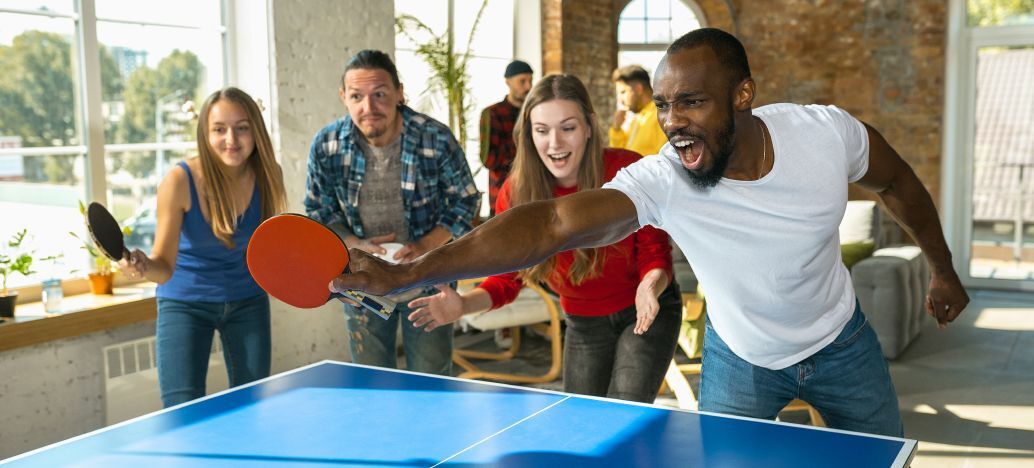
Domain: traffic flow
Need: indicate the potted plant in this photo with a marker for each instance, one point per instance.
(102, 277)
(16, 260)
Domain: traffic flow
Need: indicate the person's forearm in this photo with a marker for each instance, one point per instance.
(435, 238)
(910, 204)
(158, 270)
(658, 280)
(476, 300)
(527, 235)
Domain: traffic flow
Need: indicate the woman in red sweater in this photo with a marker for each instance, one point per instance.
(623, 309)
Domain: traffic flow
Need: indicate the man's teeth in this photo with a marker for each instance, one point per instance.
(683, 143)
(559, 156)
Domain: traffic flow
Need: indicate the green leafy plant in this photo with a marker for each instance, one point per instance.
(101, 263)
(17, 260)
(448, 68)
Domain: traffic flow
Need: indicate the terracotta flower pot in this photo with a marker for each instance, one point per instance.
(101, 283)
(7, 304)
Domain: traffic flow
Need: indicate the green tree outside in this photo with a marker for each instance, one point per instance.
(997, 12)
(37, 102)
(37, 99)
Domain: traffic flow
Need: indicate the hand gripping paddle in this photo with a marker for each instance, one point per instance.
(104, 231)
(294, 258)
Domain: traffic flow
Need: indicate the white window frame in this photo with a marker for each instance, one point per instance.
(959, 132)
(88, 112)
(652, 47)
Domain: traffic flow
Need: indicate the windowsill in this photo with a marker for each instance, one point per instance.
(80, 314)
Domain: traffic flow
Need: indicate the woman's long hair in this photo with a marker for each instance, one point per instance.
(216, 183)
(530, 180)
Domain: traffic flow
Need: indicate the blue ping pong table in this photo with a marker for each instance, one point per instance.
(333, 413)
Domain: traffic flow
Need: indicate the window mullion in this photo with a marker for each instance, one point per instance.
(90, 79)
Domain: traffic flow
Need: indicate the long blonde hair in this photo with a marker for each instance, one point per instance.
(530, 180)
(215, 183)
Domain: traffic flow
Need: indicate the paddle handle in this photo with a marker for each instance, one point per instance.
(376, 304)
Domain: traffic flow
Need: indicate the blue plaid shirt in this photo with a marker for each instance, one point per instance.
(437, 187)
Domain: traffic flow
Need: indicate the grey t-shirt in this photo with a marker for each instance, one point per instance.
(381, 207)
(380, 198)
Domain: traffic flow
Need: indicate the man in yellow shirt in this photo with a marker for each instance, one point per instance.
(644, 134)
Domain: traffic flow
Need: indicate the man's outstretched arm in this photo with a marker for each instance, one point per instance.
(911, 206)
(518, 238)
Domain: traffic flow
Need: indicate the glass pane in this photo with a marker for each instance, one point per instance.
(659, 8)
(648, 59)
(999, 12)
(434, 14)
(634, 9)
(49, 210)
(38, 83)
(146, 82)
(65, 7)
(657, 31)
(195, 13)
(494, 35)
(683, 20)
(631, 31)
(133, 178)
(1003, 179)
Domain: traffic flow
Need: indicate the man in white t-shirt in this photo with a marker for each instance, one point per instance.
(754, 198)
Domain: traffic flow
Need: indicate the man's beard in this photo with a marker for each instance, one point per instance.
(725, 145)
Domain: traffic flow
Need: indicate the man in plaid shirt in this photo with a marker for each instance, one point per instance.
(497, 146)
(382, 174)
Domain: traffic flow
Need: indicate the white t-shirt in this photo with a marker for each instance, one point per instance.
(767, 252)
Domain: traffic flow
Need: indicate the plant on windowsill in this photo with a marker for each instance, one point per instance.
(16, 260)
(102, 277)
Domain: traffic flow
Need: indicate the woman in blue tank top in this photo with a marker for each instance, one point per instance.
(208, 207)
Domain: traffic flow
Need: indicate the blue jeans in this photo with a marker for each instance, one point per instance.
(372, 341)
(604, 357)
(847, 382)
(184, 342)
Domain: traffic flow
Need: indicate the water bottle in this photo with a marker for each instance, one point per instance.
(52, 295)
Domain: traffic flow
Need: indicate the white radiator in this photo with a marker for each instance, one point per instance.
(131, 378)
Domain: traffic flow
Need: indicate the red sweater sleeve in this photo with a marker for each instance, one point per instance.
(504, 288)
(652, 246)
(653, 250)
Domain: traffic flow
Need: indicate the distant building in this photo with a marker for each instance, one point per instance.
(12, 167)
(128, 60)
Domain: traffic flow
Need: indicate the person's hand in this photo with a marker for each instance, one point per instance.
(370, 245)
(135, 265)
(619, 119)
(946, 299)
(646, 305)
(411, 251)
(369, 274)
(434, 311)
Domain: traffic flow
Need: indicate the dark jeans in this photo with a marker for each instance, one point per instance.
(847, 382)
(372, 341)
(603, 357)
(184, 342)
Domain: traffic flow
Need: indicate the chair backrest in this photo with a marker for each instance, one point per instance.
(533, 305)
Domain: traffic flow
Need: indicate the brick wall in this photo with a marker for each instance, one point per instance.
(580, 37)
(882, 60)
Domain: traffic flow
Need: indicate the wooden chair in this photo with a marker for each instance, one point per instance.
(534, 307)
(691, 338)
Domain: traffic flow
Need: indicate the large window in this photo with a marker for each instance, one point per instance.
(62, 141)
(646, 27)
(492, 48)
(989, 163)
